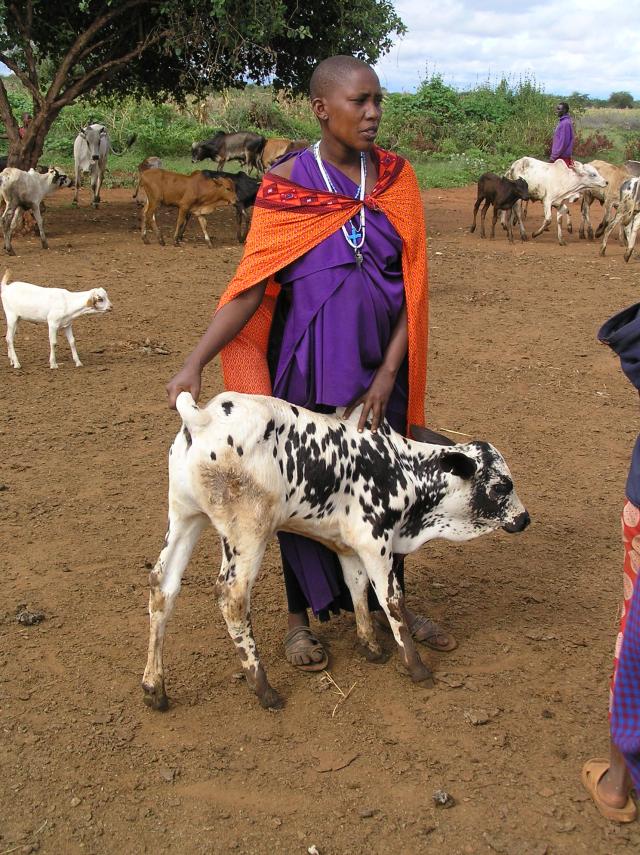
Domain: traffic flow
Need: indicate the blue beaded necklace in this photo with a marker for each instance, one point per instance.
(356, 237)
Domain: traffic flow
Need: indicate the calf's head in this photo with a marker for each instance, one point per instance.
(476, 490)
(522, 189)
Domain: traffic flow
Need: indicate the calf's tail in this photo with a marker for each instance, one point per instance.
(191, 414)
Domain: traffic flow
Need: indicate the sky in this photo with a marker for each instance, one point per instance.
(585, 46)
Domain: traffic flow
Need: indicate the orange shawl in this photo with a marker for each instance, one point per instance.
(289, 220)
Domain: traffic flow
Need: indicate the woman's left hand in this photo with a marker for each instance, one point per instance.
(374, 400)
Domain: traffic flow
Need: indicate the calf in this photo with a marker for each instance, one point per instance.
(190, 194)
(609, 198)
(246, 191)
(627, 216)
(55, 307)
(554, 184)
(252, 465)
(502, 193)
(24, 191)
(148, 163)
(244, 146)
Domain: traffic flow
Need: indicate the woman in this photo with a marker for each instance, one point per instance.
(328, 308)
(609, 781)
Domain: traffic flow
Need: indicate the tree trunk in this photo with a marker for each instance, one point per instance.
(26, 151)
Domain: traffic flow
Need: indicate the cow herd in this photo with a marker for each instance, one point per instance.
(556, 184)
(197, 194)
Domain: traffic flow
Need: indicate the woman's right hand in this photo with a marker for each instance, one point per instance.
(188, 379)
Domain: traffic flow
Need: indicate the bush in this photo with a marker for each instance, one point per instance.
(632, 150)
(588, 146)
(622, 100)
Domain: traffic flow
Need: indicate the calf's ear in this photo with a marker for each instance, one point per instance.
(423, 434)
(458, 464)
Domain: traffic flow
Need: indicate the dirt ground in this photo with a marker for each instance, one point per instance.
(86, 767)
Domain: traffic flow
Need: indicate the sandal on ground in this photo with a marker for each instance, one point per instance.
(432, 634)
(300, 643)
(592, 773)
(424, 631)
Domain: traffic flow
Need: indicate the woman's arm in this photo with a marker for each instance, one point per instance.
(376, 398)
(225, 326)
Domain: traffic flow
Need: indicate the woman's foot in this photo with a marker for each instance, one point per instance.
(609, 790)
(423, 630)
(301, 647)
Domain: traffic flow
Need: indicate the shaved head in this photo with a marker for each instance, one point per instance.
(331, 73)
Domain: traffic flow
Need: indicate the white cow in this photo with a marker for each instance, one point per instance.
(627, 215)
(90, 151)
(553, 184)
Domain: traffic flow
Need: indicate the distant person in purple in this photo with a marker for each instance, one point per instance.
(563, 136)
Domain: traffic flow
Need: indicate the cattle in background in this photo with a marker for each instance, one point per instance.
(503, 195)
(90, 152)
(627, 215)
(553, 184)
(277, 147)
(246, 192)
(243, 146)
(191, 194)
(24, 191)
(251, 466)
(148, 163)
(609, 197)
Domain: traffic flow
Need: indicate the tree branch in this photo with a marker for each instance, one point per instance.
(25, 31)
(98, 75)
(82, 44)
(6, 114)
(22, 77)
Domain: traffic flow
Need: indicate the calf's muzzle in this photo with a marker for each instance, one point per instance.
(518, 524)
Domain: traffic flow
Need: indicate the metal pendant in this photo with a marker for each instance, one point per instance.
(359, 258)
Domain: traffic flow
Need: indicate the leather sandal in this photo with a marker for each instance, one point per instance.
(301, 642)
(592, 773)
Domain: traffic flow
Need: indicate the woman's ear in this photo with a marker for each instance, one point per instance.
(319, 108)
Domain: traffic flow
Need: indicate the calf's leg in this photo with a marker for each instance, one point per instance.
(356, 579)
(475, 213)
(483, 215)
(545, 222)
(164, 580)
(391, 599)
(37, 213)
(616, 220)
(241, 562)
(632, 234)
(203, 225)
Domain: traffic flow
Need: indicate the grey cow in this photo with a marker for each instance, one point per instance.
(90, 152)
(252, 465)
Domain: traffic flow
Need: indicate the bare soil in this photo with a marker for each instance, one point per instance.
(86, 767)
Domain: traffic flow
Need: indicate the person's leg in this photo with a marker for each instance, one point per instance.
(615, 785)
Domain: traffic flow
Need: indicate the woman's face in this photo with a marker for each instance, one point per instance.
(350, 111)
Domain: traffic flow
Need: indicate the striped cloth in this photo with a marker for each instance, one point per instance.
(288, 221)
(625, 711)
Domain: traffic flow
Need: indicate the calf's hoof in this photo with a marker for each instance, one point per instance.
(602, 250)
(10, 250)
(627, 256)
(562, 242)
(420, 674)
(373, 654)
(156, 698)
(582, 235)
(270, 699)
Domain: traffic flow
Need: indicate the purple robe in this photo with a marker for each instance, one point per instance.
(562, 145)
(338, 325)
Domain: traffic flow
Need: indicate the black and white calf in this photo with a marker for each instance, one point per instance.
(252, 465)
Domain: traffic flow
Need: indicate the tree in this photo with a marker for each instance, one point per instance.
(622, 100)
(61, 50)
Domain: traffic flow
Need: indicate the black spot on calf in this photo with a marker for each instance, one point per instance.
(227, 406)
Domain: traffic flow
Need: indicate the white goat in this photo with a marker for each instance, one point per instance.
(24, 191)
(56, 307)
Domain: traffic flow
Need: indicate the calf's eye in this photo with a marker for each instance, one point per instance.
(501, 489)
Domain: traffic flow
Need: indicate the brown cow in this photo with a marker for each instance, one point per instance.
(148, 163)
(191, 194)
(275, 148)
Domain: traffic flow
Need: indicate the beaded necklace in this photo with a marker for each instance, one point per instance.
(356, 237)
